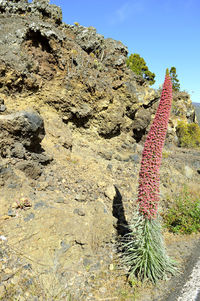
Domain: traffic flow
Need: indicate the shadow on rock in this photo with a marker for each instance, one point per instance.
(118, 213)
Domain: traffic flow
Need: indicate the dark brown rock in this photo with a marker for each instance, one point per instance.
(24, 128)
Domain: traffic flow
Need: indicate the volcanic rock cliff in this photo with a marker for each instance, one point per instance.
(73, 119)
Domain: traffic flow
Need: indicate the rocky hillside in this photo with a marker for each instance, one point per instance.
(197, 111)
(73, 119)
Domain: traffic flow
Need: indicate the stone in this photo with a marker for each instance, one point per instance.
(110, 192)
(80, 198)
(106, 154)
(18, 151)
(79, 212)
(25, 128)
(135, 158)
(29, 217)
(65, 246)
(60, 200)
(31, 169)
(2, 108)
(40, 204)
(87, 38)
(116, 53)
(42, 158)
(188, 172)
(5, 217)
(109, 167)
(11, 213)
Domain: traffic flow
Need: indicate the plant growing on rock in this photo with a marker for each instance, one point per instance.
(138, 65)
(174, 79)
(144, 252)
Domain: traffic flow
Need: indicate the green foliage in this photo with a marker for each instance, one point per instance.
(165, 154)
(144, 252)
(138, 65)
(188, 134)
(184, 214)
(174, 79)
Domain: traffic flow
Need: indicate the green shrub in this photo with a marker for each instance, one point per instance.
(183, 216)
(188, 134)
(138, 65)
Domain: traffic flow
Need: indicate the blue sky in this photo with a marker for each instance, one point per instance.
(165, 33)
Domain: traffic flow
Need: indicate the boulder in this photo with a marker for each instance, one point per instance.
(19, 131)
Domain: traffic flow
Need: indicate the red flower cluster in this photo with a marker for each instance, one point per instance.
(149, 178)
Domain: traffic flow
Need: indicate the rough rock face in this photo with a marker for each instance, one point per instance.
(40, 8)
(75, 70)
(182, 107)
(69, 166)
(93, 89)
(197, 111)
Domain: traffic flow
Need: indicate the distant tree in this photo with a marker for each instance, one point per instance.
(174, 79)
(138, 65)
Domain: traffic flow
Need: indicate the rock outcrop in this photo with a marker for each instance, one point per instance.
(20, 131)
(197, 111)
(73, 119)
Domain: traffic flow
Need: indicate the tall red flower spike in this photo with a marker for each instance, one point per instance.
(149, 178)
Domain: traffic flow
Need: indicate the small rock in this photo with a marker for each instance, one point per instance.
(30, 168)
(106, 155)
(43, 158)
(109, 166)
(2, 108)
(18, 151)
(13, 185)
(60, 200)
(27, 266)
(64, 246)
(4, 217)
(80, 198)
(11, 213)
(79, 212)
(29, 217)
(135, 158)
(95, 267)
(87, 261)
(40, 204)
(2, 105)
(188, 172)
(110, 192)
